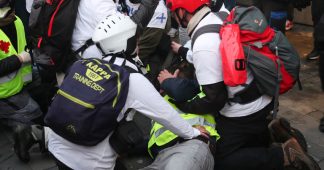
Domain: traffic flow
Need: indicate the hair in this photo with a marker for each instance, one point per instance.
(186, 70)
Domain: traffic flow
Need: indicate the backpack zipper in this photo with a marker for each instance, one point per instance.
(75, 100)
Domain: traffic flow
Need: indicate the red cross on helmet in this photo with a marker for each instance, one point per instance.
(189, 5)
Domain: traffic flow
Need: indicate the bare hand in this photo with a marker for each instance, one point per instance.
(165, 74)
(175, 47)
(203, 131)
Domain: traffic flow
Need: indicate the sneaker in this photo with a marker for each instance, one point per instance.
(281, 131)
(313, 55)
(289, 25)
(295, 156)
(24, 140)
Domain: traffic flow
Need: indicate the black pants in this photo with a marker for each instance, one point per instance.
(317, 12)
(267, 7)
(270, 6)
(321, 68)
(244, 143)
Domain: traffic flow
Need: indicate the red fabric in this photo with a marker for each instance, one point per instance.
(250, 36)
(233, 59)
(287, 81)
(189, 5)
(4, 46)
(231, 50)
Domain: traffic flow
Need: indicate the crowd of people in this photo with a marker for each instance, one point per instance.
(132, 62)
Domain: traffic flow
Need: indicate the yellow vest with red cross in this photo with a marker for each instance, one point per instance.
(12, 83)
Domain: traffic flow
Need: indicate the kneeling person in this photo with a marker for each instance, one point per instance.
(83, 121)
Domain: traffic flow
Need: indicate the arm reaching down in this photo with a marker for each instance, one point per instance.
(149, 102)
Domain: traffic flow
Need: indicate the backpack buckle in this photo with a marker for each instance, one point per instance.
(240, 64)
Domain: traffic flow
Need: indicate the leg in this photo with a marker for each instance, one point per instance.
(275, 13)
(321, 68)
(249, 133)
(253, 159)
(189, 155)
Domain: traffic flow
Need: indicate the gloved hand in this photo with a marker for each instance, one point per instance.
(24, 57)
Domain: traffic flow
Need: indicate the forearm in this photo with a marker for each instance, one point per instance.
(150, 103)
(180, 89)
(213, 101)
(9, 65)
(144, 13)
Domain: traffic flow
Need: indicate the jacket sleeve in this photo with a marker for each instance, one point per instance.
(180, 89)
(144, 13)
(213, 101)
(143, 97)
(9, 65)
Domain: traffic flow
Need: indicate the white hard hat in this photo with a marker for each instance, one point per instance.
(113, 32)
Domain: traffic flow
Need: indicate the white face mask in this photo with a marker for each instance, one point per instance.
(4, 11)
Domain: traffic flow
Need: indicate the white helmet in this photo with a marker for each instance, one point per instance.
(113, 32)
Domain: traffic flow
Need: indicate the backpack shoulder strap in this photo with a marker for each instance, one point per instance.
(222, 15)
(212, 28)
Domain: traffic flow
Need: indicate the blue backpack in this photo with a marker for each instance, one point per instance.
(85, 108)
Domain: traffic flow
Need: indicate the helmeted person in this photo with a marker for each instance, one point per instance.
(242, 125)
(90, 13)
(118, 40)
(15, 72)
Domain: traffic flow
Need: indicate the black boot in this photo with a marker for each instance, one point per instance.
(313, 55)
(321, 126)
(24, 140)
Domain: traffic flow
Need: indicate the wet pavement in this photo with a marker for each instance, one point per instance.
(305, 108)
(302, 108)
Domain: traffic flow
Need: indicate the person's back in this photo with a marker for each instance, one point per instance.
(141, 97)
(243, 124)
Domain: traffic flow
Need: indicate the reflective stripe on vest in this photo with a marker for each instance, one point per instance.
(13, 83)
(194, 121)
(161, 136)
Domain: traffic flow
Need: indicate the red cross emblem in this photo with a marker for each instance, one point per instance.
(4, 46)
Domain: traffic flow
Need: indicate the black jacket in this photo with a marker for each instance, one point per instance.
(214, 100)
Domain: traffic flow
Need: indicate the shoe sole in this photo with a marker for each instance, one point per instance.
(306, 162)
(295, 133)
(310, 161)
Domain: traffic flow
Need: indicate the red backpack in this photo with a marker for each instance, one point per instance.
(247, 41)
